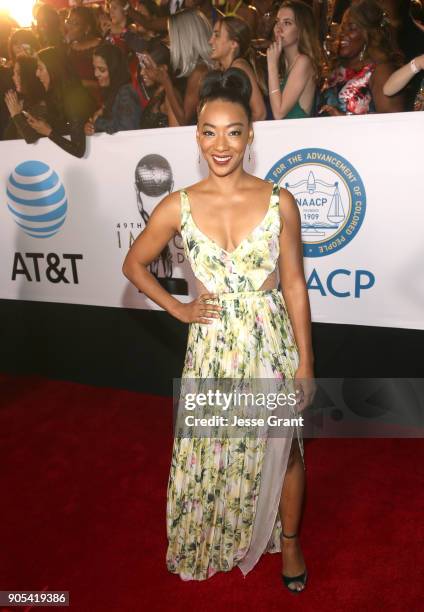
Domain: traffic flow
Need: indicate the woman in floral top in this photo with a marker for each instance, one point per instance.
(366, 58)
(234, 496)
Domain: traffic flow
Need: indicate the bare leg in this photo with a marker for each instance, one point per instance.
(290, 512)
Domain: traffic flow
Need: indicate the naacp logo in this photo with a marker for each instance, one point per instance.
(330, 195)
(36, 199)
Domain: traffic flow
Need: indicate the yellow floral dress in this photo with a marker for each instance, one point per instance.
(223, 493)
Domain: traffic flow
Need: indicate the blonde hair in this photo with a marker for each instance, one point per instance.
(189, 34)
(308, 34)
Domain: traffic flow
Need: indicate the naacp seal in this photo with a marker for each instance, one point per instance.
(330, 195)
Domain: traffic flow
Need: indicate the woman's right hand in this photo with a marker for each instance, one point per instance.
(274, 51)
(89, 128)
(198, 311)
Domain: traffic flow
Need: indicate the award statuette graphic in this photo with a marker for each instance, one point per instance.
(153, 177)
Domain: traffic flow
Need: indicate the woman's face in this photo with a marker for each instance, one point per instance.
(351, 38)
(43, 74)
(104, 23)
(21, 50)
(221, 45)
(223, 132)
(17, 77)
(75, 28)
(116, 12)
(285, 28)
(101, 71)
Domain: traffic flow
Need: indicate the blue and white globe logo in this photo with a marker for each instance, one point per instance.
(330, 195)
(37, 199)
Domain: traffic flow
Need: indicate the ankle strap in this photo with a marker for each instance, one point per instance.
(294, 535)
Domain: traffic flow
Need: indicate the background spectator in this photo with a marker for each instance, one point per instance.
(82, 37)
(230, 48)
(49, 27)
(28, 97)
(158, 112)
(121, 108)
(68, 103)
(367, 56)
(189, 34)
(294, 61)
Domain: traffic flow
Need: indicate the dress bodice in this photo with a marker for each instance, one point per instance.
(297, 112)
(247, 267)
(350, 90)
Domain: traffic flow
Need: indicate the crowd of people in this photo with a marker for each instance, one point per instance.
(129, 64)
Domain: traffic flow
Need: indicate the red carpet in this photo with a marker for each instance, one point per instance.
(83, 485)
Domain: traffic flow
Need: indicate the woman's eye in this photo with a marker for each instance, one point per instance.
(235, 133)
(207, 133)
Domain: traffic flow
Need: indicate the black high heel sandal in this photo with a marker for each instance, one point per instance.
(288, 580)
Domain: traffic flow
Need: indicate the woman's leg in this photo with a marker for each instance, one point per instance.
(291, 502)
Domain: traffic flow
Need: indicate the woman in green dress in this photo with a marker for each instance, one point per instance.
(294, 62)
(231, 499)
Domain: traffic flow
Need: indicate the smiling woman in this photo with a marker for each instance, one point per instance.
(230, 497)
(20, 11)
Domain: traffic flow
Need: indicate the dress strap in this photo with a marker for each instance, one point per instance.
(275, 196)
(184, 207)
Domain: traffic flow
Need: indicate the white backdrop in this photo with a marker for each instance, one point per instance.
(358, 182)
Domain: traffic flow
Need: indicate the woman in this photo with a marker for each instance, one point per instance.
(230, 44)
(294, 62)
(49, 26)
(28, 98)
(121, 108)
(82, 39)
(217, 515)
(129, 42)
(367, 56)
(189, 34)
(158, 112)
(68, 103)
(22, 42)
(103, 21)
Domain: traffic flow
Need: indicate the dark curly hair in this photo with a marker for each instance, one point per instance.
(379, 34)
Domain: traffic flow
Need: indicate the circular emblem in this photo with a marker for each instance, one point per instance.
(36, 199)
(330, 195)
(153, 175)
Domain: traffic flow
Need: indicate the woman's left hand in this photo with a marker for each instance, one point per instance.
(155, 73)
(40, 126)
(333, 111)
(274, 51)
(305, 387)
(14, 105)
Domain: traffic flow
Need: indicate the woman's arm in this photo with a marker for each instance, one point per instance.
(257, 103)
(293, 284)
(163, 224)
(401, 77)
(172, 120)
(382, 103)
(283, 101)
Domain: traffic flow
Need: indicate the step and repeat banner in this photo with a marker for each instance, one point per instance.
(67, 223)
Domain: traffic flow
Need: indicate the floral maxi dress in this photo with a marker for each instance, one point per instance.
(223, 494)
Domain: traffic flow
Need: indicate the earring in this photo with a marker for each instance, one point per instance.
(250, 154)
(362, 54)
(198, 155)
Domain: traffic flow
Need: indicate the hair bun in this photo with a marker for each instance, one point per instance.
(233, 81)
